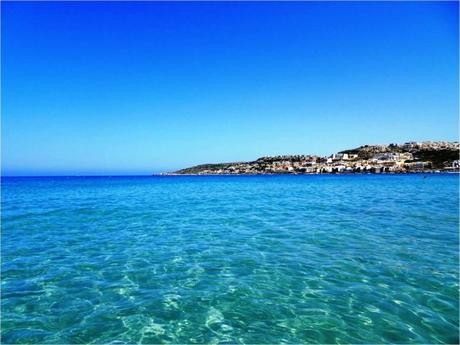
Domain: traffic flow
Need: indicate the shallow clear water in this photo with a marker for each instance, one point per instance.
(267, 259)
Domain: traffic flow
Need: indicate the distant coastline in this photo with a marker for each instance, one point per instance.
(410, 157)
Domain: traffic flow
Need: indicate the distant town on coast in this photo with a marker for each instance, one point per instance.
(410, 157)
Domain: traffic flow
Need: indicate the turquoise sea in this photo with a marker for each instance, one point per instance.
(230, 259)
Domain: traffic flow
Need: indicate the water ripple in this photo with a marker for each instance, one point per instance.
(268, 259)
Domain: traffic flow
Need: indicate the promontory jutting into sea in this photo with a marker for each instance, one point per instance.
(428, 156)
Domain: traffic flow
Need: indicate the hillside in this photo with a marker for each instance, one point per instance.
(407, 157)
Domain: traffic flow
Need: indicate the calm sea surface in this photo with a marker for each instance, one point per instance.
(242, 259)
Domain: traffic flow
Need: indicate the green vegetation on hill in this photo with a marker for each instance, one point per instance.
(198, 168)
(437, 157)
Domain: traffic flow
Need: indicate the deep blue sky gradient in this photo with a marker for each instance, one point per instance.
(132, 88)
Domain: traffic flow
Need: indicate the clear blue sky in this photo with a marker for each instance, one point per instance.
(132, 88)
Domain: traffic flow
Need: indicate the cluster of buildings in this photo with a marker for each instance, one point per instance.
(391, 158)
(337, 163)
(428, 145)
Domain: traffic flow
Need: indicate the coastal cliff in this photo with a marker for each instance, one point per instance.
(427, 156)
